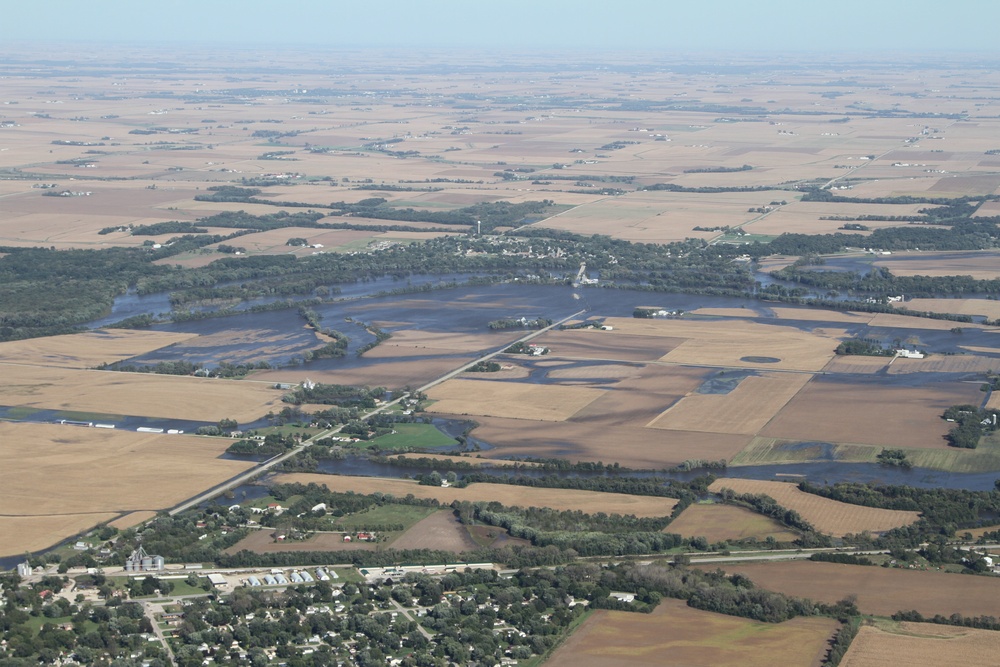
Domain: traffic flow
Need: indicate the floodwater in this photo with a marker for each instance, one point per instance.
(277, 335)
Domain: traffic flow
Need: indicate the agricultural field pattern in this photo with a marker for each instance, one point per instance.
(645, 363)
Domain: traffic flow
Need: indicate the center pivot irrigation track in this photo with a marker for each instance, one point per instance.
(256, 471)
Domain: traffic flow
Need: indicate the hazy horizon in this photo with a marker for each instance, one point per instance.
(767, 26)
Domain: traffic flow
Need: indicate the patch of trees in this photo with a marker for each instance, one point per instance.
(336, 394)
(640, 486)
(673, 187)
(520, 323)
(942, 511)
(864, 348)
(982, 622)
(842, 641)
(380, 337)
(971, 424)
(769, 507)
(273, 444)
(484, 367)
(855, 227)
(843, 558)
(717, 170)
(894, 457)
(170, 227)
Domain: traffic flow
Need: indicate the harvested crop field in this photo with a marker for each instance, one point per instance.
(392, 374)
(591, 372)
(20, 534)
(411, 342)
(638, 399)
(786, 313)
(986, 307)
(599, 344)
(893, 321)
(856, 364)
(600, 440)
(132, 519)
(516, 400)
(87, 350)
(744, 410)
(959, 363)
(675, 634)
(440, 530)
(588, 502)
(827, 516)
(889, 644)
(67, 478)
(879, 590)
(870, 410)
(140, 394)
(719, 523)
(981, 265)
(729, 342)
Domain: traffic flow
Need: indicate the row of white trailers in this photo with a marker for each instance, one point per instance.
(277, 578)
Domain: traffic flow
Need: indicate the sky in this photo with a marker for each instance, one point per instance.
(584, 25)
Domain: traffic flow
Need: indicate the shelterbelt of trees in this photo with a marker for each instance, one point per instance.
(46, 292)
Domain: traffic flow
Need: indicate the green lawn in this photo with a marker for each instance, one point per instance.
(36, 622)
(406, 515)
(412, 436)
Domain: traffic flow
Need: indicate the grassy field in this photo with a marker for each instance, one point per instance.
(764, 451)
(405, 515)
(675, 634)
(412, 436)
(883, 643)
(827, 516)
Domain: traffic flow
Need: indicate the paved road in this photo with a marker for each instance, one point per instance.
(270, 464)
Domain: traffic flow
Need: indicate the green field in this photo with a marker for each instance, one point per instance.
(412, 436)
(405, 515)
(764, 451)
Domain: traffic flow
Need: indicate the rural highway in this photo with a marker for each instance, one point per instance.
(270, 464)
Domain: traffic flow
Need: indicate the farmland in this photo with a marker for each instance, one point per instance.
(844, 410)
(886, 644)
(102, 392)
(692, 637)
(825, 515)
(354, 184)
(507, 399)
(521, 496)
(87, 350)
(880, 591)
(719, 523)
(137, 471)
